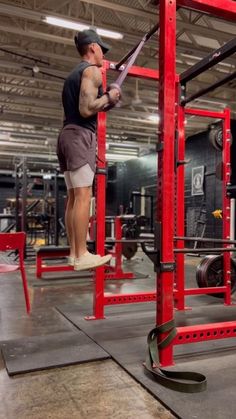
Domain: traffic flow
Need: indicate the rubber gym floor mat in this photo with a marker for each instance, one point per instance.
(123, 335)
(49, 351)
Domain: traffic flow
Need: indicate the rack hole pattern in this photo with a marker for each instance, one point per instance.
(217, 333)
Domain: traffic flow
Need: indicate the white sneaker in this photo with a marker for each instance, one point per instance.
(70, 260)
(90, 261)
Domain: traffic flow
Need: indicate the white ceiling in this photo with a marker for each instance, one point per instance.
(30, 103)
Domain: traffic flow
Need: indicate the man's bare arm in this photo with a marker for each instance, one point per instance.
(89, 104)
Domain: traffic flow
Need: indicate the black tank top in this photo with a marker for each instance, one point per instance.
(70, 99)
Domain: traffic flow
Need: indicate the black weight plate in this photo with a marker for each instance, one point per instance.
(129, 249)
(212, 138)
(219, 138)
(210, 273)
(216, 138)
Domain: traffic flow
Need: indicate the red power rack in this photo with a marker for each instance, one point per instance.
(170, 189)
(166, 178)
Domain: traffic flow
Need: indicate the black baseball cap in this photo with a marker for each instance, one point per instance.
(89, 36)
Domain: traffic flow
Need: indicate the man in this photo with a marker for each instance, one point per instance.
(82, 99)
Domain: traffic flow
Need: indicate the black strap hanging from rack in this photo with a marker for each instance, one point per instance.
(183, 381)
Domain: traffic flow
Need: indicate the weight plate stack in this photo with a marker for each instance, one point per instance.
(210, 273)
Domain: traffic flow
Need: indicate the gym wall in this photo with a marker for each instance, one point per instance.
(134, 174)
(199, 208)
(201, 153)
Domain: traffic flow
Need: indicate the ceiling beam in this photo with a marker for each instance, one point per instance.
(32, 80)
(30, 100)
(37, 16)
(44, 92)
(225, 9)
(151, 16)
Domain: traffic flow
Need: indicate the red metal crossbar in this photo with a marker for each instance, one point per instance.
(204, 332)
(138, 297)
(135, 71)
(225, 9)
(205, 113)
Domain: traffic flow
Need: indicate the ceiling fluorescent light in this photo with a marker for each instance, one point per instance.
(4, 137)
(215, 102)
(191, 56)
(154, 118)
(119, 157)
(69, 24)
(63, 23)
(123, 145)
(109, 34)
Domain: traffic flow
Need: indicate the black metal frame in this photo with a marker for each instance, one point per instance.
(214, 86)
(209, 61)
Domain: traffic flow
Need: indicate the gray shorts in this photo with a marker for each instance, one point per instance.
(76, 147)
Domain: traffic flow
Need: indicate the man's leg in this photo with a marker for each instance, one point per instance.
(82, 180)
(69, 218)
(81, 210)
(69, 221)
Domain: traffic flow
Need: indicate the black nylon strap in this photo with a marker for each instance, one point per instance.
(170, 379)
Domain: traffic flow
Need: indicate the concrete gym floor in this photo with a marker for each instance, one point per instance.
(100, 389)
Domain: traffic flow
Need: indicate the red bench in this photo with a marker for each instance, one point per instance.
(51, 252)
